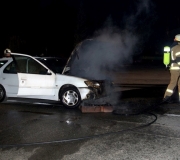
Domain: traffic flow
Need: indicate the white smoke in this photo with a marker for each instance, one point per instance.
(110, 47)
(143, 6)
(141, 16)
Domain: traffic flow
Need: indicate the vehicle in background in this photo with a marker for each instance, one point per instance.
(56, 64)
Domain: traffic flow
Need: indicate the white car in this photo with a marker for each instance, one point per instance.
(25, 76)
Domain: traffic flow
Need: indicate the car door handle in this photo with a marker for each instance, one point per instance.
(23, 80)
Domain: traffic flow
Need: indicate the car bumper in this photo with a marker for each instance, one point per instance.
(94, 93)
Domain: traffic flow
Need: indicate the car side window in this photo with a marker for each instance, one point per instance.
(10, 68)
(35, 67)
(2, 63)
(29, 65)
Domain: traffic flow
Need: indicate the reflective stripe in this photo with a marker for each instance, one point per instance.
(174, 68)
(169, 90)
(178, 53)
(172, 57)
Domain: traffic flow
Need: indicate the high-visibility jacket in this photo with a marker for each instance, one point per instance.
(175, 57)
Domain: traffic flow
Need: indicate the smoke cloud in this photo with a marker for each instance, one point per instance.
(111, 46)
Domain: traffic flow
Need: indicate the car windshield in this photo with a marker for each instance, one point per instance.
(2, 63)
(55, 64)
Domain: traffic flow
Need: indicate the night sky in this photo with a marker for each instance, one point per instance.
(54, 27)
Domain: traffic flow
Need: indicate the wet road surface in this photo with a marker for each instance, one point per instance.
(51, 132)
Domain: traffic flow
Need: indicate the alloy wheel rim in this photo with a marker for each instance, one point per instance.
(70, 98)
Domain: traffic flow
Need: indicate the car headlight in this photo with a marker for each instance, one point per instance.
(92, 84)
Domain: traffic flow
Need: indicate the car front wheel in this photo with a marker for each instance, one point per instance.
(70, 97)
(2, 93)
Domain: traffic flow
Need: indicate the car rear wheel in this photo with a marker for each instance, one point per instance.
(70, 97)
(2, 93)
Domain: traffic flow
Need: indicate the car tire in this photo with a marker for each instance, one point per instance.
(2, 93)
(70, 97)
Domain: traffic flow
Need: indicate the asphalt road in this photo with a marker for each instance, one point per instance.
(51, 132)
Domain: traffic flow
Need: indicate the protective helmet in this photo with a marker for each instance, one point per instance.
(7, 52)
(177, 37)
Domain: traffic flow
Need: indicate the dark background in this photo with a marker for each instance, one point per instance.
(54, 27)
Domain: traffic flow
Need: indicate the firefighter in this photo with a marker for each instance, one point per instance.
(174, 70)
(7, 52)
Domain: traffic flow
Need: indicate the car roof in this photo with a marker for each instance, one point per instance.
(5, 58)
(38, 57)
(50, 57)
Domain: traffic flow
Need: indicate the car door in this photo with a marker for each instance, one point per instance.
(35, 79)
(10, 80)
